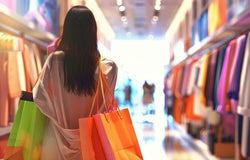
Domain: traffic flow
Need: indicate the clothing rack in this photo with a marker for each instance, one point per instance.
(15, 25)
(236, 27)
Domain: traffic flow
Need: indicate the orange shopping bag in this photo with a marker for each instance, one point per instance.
(118, 136)
(110, 134)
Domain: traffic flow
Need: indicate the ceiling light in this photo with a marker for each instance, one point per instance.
(123, 18)
(158, 2)
(119, 2)
(154, 20)
(121, 8)
(157, 7)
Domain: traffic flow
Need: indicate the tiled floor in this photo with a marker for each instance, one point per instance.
(161, 138)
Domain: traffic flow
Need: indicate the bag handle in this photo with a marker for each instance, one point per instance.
(104, 86)
(112, 101)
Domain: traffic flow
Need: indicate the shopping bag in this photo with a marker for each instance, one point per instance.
(90, 141)
(117, 135)
(26, 136)
(109, 134)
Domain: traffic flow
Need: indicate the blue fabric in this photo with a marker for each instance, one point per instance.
(203, 25)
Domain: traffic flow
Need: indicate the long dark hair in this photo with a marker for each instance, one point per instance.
(79, 43)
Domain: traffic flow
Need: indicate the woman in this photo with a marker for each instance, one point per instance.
(66, 86)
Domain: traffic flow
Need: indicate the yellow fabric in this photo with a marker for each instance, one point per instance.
(217, 16)
(202, 78)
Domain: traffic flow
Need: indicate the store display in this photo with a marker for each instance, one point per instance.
(20, 63)
(226, 50)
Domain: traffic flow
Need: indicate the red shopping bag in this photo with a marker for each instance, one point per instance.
(90, 141)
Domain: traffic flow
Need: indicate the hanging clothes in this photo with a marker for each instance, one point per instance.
(186, 91)
(20, 64)
(223, 102)
(186, 78)
(244, 102)
(13, 74)
(234, 83)
(234, 77)
(38, 57)
(31, 64)
(200, 99)
(189, 99)
(211, 78)
(4, 101)
(219, 64)
(178, 103)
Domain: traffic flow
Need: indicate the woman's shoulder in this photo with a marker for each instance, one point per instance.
(108, 65)
(107, 61)
(56, 55)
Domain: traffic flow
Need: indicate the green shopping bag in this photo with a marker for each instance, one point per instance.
(26, 135)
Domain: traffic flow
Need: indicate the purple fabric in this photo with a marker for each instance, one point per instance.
(219, 63)
(221, 90)
(234, 78)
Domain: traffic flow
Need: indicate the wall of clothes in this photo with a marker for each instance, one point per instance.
(210, 86)
(20, 63)
(22, 53)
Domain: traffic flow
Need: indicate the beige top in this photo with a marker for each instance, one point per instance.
(63, 109)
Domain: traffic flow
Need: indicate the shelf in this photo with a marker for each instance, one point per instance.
(15, 24)
(237, 26)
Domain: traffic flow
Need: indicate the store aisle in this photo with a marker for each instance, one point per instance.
(162, 139)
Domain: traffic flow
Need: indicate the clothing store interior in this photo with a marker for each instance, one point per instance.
(182, 69)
